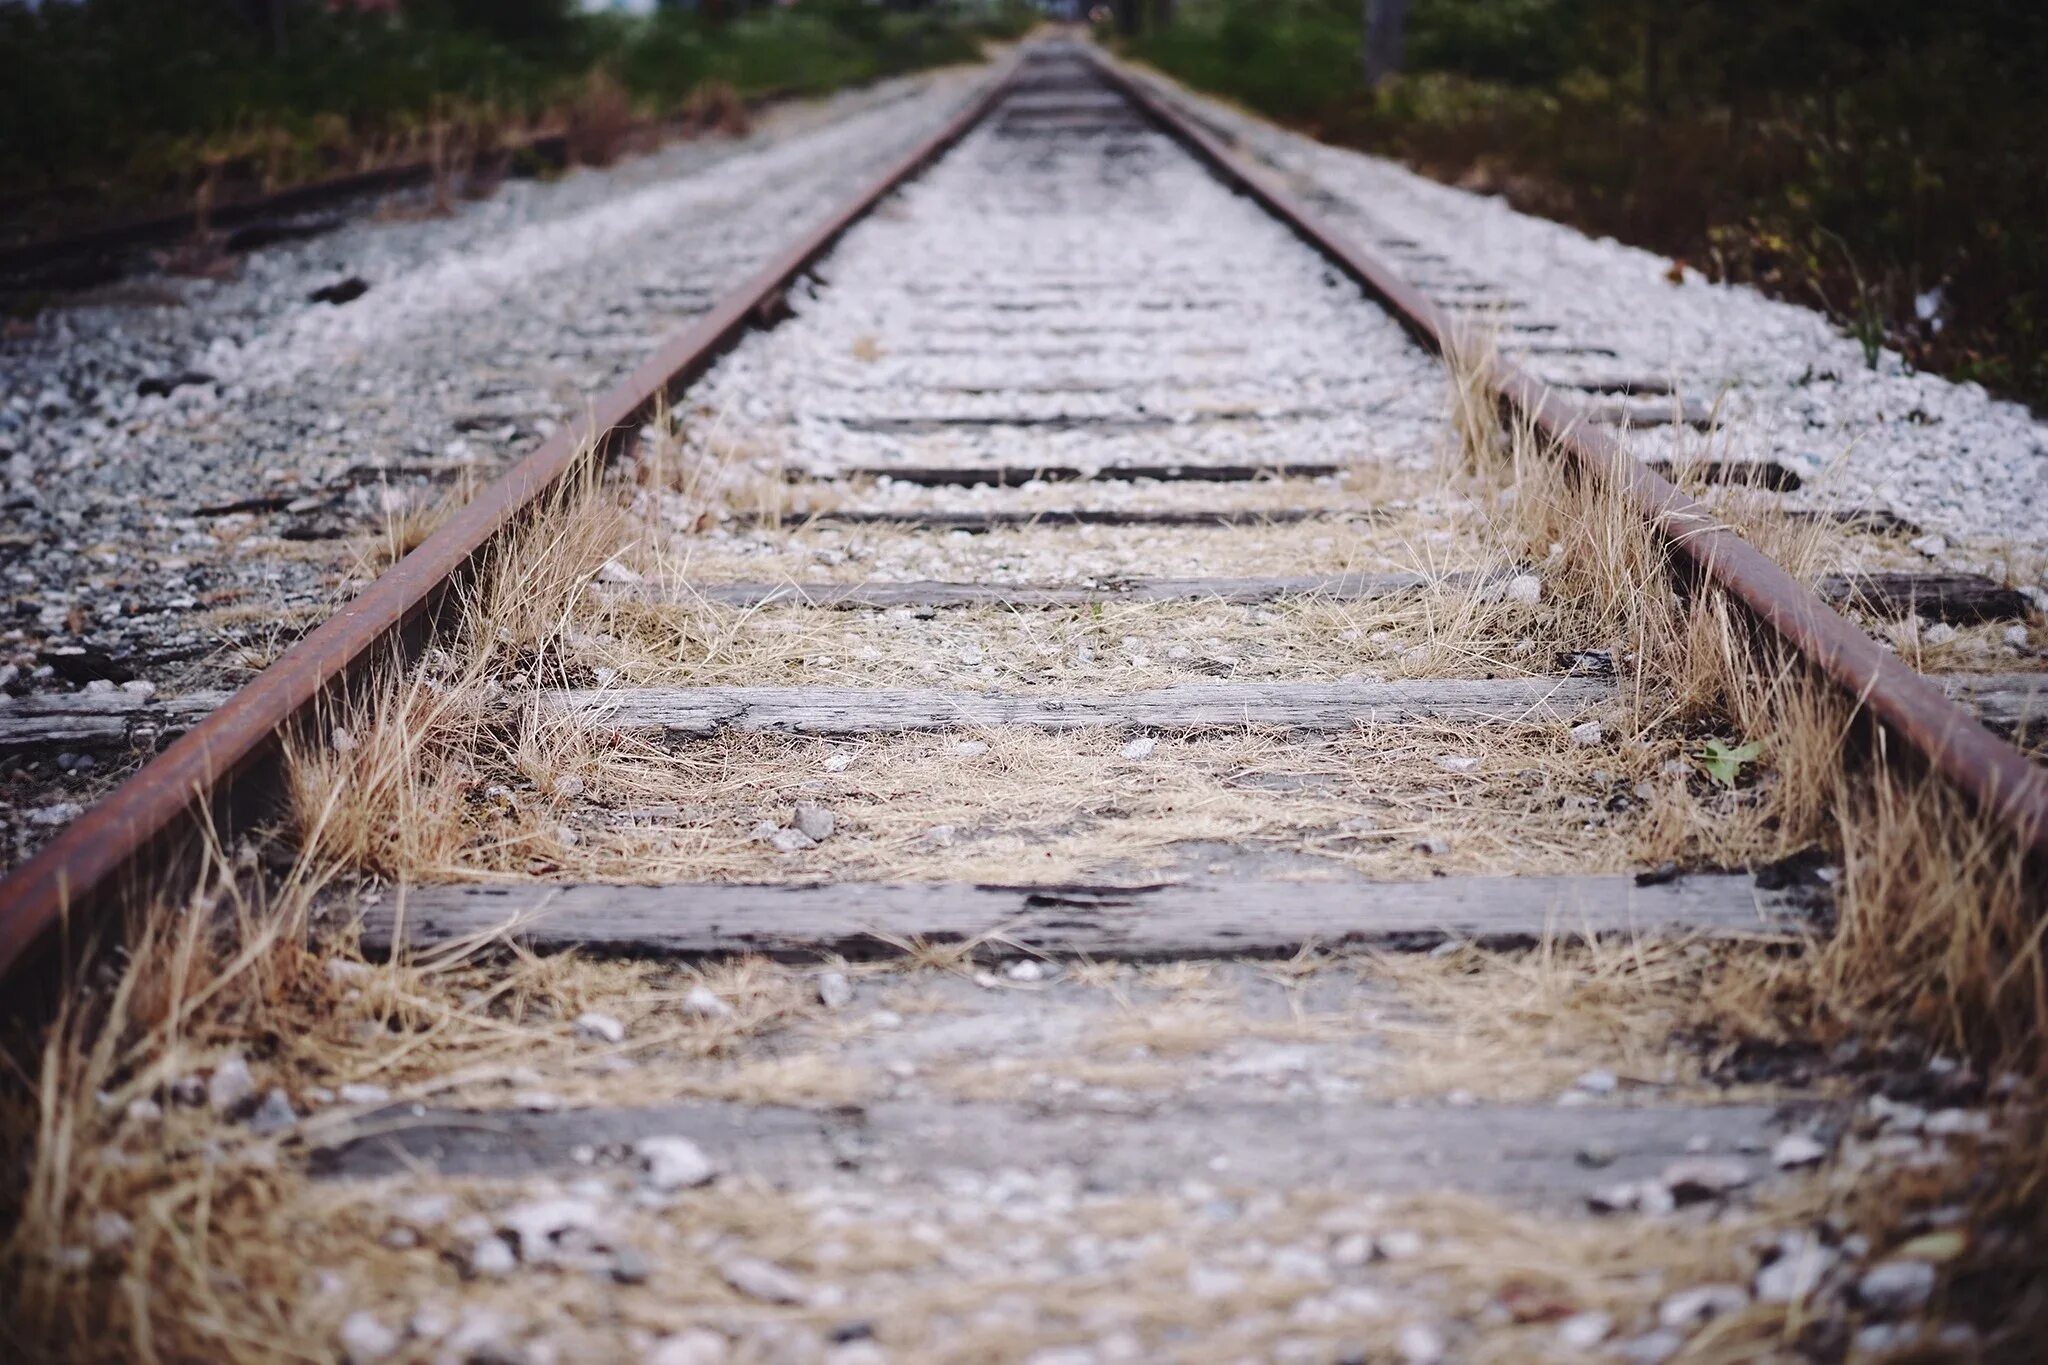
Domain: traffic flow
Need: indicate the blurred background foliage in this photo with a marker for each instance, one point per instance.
(108, 103)
(1882, 159)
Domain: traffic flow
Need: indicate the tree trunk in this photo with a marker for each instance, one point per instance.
(1385, 25)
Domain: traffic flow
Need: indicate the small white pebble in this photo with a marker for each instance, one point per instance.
(1940, 633)
(1584, 1331)
(1525, 588)
(1457, 763)
(703, 1002)
(603, 1028)
(791, 841)
(110, 1231)
(1140, 747)
(365, 1338)
(1420, 1344)
(1931, 546)
(698, 1346)
(2016, 636)
(674, 1163)
(838, 763)
(1588, 734)
(970, 748)
(1795, 1150)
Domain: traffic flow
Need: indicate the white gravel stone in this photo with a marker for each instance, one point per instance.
(1795, 1150)
(365, 1338)
(1140, 747)
(1588, 734)
(274, 1115)
(230, 1086)
(110, 1231)
(697, 1346)
(1799, 1268)
(1689, 1308)
(704, 1002)
(835, 990)
(674, 1163)
(791, 841)
(764, 1280)
(491, 1258)
(1696, 1178)
(1398, 1244)
(1525, 588)
(1957, 1123)
(535, 1225)
(363, 1092)
(1896, 1288)
(601, 1028)
(1457, 763)
(1420, 1344)
(815, 821)
(1584, 1331)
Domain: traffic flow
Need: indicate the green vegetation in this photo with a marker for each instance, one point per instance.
(1879, 158)
(118, 102)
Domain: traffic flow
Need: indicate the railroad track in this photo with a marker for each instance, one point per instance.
(890, 840)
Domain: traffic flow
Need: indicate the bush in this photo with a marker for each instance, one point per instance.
(128, 100)
(1874, 157)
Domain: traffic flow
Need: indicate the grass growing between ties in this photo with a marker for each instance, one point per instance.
(1936, 944)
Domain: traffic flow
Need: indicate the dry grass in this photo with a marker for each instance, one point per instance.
(1939, 926)
(452, 774)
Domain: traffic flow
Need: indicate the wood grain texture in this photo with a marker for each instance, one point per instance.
(1348, 587)
(1191, 706)
(1526, 1153)
(1959, 598)
(2013, 704)
(978, 522)
(98, 719)
(1011, 476)
(1173, 920)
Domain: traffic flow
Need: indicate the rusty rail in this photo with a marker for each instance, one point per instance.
(1996, 778)
(113, 845)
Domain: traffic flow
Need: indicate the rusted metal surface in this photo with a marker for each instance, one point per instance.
(114, 844)
(1999, 780)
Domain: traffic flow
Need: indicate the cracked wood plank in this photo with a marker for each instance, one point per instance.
(1526, 1152)
(1011, 476)
(1959, 598)
(98, 719)
(1256, 918)
(979, 522)
(2009, 703)
(1350, 587)
(1190, 706)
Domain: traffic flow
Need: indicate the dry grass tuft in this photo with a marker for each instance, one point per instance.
(1938, 923)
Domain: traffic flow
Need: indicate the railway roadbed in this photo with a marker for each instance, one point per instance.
(1070, 777)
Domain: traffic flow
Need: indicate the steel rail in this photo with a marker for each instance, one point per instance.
(113, 846)
(1996, 778)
